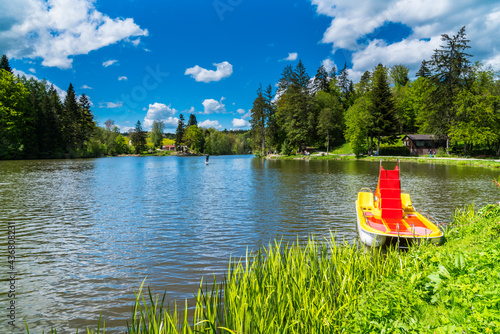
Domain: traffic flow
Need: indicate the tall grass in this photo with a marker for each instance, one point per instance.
(282, 288)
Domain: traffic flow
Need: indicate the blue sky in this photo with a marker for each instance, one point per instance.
(152, 60)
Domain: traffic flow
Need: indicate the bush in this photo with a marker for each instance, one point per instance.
(395, 150)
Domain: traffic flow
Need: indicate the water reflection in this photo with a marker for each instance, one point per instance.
(89, 231)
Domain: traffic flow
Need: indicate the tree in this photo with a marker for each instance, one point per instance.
(86, 123)
(70, 119)
(157, 133)
(138, 138)
(192, 120)
(424, 71)
(331, 118)
(272, 130)
(15, 119)
(451, 73)
(109, 124)
(321, 80)
(296, 108)
(4, 64)
(179, 133)
(382, 107)
(193, 138)
(358, 122)
(399, 75)
(258, 121)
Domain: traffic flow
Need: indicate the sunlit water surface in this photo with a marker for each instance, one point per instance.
(88, 232)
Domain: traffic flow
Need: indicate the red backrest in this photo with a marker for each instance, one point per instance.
(389, 193)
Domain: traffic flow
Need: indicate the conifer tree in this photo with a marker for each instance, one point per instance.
(4, 64)
(70, 119)
(423, 71)
(192, 120)
(258, 121)
(382, 108)
(139, 138)
(321, 80)
(179, 132)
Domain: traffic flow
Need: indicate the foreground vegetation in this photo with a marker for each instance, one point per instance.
(324, 287)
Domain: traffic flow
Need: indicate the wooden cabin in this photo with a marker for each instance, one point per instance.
(423, 144)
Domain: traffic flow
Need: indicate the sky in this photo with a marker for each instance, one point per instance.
(154, 60)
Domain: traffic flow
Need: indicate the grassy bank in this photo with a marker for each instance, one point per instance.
(324, 287)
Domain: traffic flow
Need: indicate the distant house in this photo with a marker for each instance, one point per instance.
(423, 144)
(169, 147)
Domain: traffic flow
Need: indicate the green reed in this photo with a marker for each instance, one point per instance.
(282, 288)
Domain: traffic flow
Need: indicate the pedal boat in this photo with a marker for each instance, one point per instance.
(388, 215)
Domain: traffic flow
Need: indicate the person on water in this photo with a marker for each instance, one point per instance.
(207, 158)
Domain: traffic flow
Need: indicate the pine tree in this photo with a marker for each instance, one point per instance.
(423, 71)
(258, 122)
(451, 73)
(4, 64)
(382, 108)
(179, 133)
(321, 80)
(70, 119)
(272, 131)
(139, 138)
(192, 120)
(86, 120)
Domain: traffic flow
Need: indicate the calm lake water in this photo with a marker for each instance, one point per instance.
(88, 232)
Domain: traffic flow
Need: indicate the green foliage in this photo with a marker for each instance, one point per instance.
(179, 133)
(358, 120)
(285, 149)
(138, 138)
(193, 138)
(156, 133)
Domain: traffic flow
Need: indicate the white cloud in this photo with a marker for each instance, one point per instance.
(240, 123)
(60, 92)
(86, 87)
(160, 112)
(122, 78)
(292, 56)
(57, 30)
(241, 111)
(207, 124)
(247, 115)
(112, 105)
(109, 62)
(354, 27)
(212, 106)
(125, 128)
(32, 70)
(328, 64)
(224, 70)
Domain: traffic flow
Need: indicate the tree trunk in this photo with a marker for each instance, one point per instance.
(368, 144)
(327, 141)
(378, 145)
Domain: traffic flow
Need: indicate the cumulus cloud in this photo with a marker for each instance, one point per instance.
(160, 112)
(57, 30)
(292, 56)
(86, 87)
(240, 123)
(207, 124)
(122, 78)
(200, 74)
(112, 105)
(328, 64)
(354, 27)
(109, 62)
(212, 106)
(241, 111)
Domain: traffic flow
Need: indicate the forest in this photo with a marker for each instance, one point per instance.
(450, 97)
(36, 124)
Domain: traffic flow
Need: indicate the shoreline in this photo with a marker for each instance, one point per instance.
(474, 162)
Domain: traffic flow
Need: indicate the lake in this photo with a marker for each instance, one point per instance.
(88, 232)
